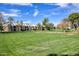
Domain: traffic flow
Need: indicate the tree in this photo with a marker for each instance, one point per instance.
(74, 18)
(45, 22)
(51, 25)
(47, 25)
(39, 26)
(66, 20)
(66, 23)
(21, 23)
(10, 20)
(1, 27)
(17, 22)
(1, 22)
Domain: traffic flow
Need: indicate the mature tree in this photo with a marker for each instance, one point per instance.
(39, 26)
(51, 25)
(74, 18)
(47, 25)
(10, 20)
(66, 20)
(1, 27)
(21, 23)
(18, 23)
(45, 22)
(64, 25)
(1, 22)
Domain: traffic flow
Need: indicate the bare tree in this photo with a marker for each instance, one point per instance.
(10, 20)
(1, 22)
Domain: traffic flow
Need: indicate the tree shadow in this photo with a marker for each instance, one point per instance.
(52, 55)
(77, 54)
(65, 55)
(58, 55)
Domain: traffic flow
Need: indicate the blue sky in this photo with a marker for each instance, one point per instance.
(35, 12)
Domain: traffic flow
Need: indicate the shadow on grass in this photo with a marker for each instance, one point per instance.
(58, 55)
(65, 55)
(15, 32)
(52, 55)
(77, 54)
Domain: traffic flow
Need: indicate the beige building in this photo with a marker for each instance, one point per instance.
(5, 28)
(15, 27)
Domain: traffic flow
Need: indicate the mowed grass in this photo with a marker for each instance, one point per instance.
(38, 43)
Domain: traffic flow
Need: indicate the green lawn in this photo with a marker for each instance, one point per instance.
(38, 43)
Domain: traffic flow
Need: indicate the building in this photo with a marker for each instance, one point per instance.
(17, 27)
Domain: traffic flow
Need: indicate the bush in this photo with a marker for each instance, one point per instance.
(78, 29)
(72, 30)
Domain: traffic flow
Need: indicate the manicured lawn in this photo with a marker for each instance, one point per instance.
(37, 43)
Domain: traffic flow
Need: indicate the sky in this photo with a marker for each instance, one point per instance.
(35, 12)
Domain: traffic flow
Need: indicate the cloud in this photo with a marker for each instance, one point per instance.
(76, 9)
(28, 21)
(36, 13)
(14, 10)
(9, 14)
(62, 4)
(54, 13)
(75, 5)
(21, 4)
(59, 4)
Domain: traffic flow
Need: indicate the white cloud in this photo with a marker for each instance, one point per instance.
(14, 10)
(76, 9)
(36, 13)
(62, 4)
(76, 5)
(54, 13)
(28, 21)
(22, 4)
(9, 14)
(59, 4)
